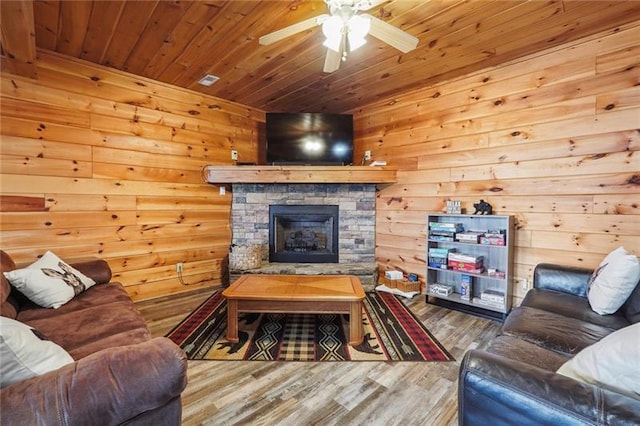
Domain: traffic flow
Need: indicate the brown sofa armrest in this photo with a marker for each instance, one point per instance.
(98, 270)
(109, 387)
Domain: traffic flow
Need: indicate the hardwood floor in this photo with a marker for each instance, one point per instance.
(329, 393)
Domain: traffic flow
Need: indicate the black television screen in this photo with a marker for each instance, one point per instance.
(309, 138)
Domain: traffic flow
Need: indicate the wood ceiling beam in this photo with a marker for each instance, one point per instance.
(18, 38)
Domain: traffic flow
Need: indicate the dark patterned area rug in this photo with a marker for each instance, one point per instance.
(391, 333)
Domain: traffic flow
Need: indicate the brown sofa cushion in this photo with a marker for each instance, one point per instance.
(100, 318)
(573, 307)
(529, 353)
(552, 331)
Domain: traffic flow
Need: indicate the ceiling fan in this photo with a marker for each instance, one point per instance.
(345, 30)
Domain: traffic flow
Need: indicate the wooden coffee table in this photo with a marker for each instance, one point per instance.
(296, 294)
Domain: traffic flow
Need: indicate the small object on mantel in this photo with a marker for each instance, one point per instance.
(378, 163)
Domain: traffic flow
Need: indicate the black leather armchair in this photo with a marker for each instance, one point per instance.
(514, 382)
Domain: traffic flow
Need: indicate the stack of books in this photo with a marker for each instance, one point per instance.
(443, 231)
(469, 237)
(491, 298)
(494, 238)
(438, 257)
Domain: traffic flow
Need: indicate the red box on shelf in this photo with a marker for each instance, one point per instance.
(475, 268)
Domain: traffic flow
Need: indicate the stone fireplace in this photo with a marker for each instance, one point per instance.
(303, 233)
(354, 220)
(356, 209)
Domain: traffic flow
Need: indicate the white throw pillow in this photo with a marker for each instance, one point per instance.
(49, 282)
(613, 281)
(613, 363)
(26, 355)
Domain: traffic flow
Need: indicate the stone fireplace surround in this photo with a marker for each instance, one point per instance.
(356, 243)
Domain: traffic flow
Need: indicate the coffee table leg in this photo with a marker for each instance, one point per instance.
(232, 320)
(355, 324)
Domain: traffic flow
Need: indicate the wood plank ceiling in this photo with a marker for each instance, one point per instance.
(179, 42)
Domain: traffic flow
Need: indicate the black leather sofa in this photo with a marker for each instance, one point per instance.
(514, 381)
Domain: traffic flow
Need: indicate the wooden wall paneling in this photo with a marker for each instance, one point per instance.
(583, 241)
(556, 146)
(143, 205)
(615, 121)
(615, 204)
(155, 259)
(188, 203)
(69, 202)
(34, 111)
(21, 203)
(44, 167)
(620, 60)
(29, 147)
(560, 148)
(13, 221)
(582, 165)
(621, 99)
(151, 93)
(538, 71)
(165, 272)
(42, 129)
(68, 237)
(150, 174)
(528, 256)
(35, 184)
(161, 288)
(156, 217)
(136, 158)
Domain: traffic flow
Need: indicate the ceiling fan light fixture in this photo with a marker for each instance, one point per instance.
(332, 28)
(358, 28)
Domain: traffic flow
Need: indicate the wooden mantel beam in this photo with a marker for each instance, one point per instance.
(17, 26)
(298, 174)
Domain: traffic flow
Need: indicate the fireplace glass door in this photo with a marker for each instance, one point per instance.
(303, 233)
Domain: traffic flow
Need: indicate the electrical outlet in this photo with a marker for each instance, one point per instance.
(223, 190)
(524, 284)
(179, 267)
(367, 155)
(234, 154)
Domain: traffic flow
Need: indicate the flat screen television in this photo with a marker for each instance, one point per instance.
(309, 138)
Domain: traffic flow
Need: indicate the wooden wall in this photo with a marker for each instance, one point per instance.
(552, 139)
(99, 163)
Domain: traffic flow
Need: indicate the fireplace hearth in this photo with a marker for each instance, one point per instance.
(303, 233)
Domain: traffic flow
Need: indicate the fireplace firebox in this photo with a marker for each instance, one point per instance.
(303, 233)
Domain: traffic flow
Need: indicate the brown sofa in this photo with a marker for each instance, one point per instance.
(120, 375)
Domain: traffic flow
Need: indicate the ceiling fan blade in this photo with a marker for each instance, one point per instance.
(401, 40)
(332, 61)
(292, 29)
